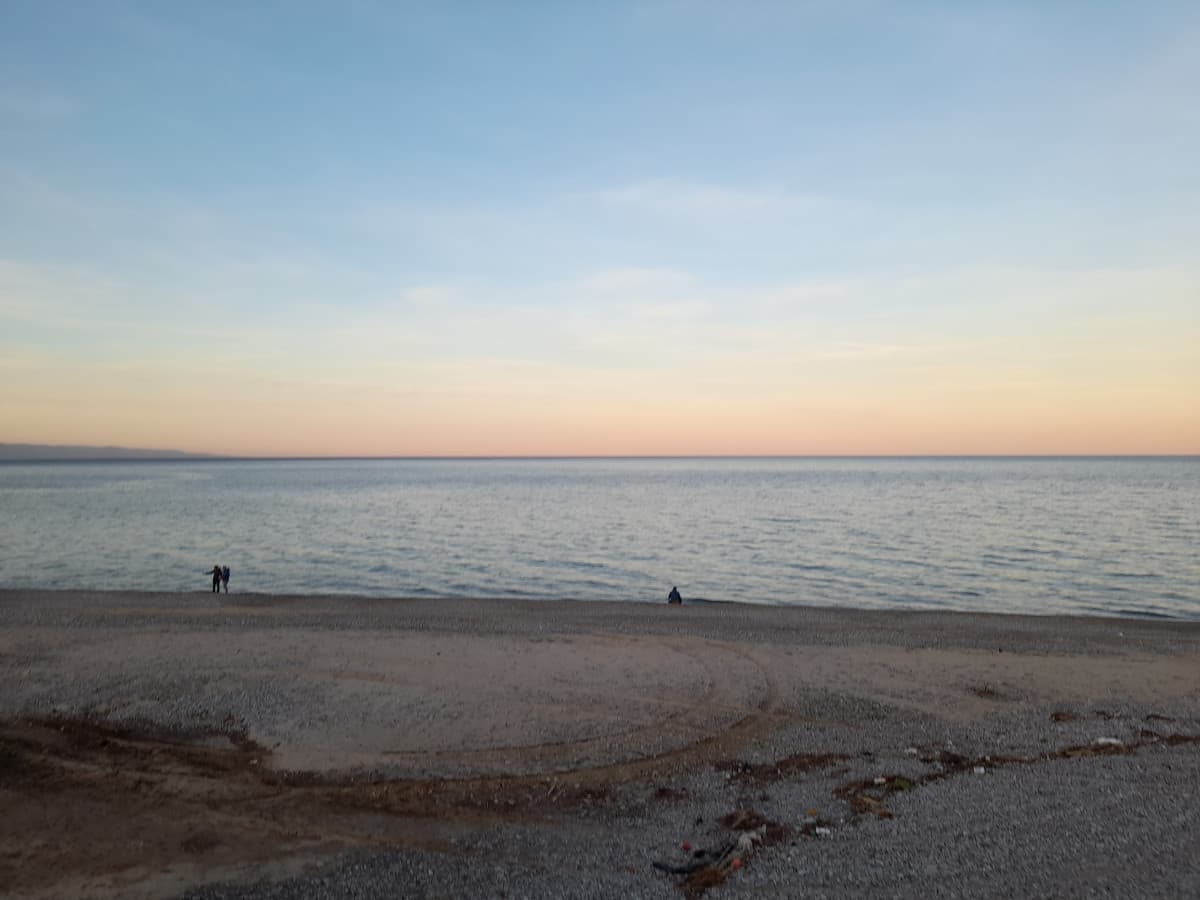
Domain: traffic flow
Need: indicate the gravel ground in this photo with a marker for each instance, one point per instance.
(900, 754)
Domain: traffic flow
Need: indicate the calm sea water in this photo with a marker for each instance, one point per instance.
(1107, 536)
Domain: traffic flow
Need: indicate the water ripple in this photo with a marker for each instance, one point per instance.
(1108, 536)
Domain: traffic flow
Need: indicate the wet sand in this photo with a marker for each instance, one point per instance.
(153, 745)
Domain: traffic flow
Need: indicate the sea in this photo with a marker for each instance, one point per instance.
(1096, 536)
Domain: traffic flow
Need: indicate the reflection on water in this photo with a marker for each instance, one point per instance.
(1110, 536)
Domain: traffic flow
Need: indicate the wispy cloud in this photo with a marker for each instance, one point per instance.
(635, 280)
(1164, 88)
(763, 14)
(706, 203)
(862, 350)
(15, 362)
(35, 105)
(431, 296)
(58, 294)
(34, 196)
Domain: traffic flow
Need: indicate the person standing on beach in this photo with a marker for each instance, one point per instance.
(216, 574)
(225, 578)
(674, 597)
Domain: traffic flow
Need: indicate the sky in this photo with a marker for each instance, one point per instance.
(671, 227)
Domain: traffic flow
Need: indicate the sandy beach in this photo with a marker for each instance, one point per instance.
(252, 746)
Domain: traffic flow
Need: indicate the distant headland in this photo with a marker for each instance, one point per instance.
(50, 452)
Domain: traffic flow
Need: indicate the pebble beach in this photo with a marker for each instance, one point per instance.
(246, 746)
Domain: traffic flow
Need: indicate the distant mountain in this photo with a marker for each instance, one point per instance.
(36, 452)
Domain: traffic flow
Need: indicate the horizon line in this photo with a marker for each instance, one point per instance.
(188, 456)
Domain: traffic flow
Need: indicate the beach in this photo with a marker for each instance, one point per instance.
(261, 746)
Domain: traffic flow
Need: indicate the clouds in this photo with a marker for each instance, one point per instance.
(865, 213)
(675, 199)
(34, 107)
(442, 353)
(635, 280)
(1158, 92)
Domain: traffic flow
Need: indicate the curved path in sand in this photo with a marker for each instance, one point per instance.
(460, 688)
(154, 743)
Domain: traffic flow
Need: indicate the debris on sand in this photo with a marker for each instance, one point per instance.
(788, 767)
(710, 866)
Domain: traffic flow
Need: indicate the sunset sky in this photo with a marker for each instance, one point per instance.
(561, 228)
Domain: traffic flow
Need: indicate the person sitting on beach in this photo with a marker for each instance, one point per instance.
(225, 578)
(216, 574)
(674, 597)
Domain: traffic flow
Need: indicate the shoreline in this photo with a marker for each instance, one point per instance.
(321, 599)
(165, 744)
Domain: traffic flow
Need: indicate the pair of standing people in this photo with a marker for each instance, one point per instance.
(220, 576)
